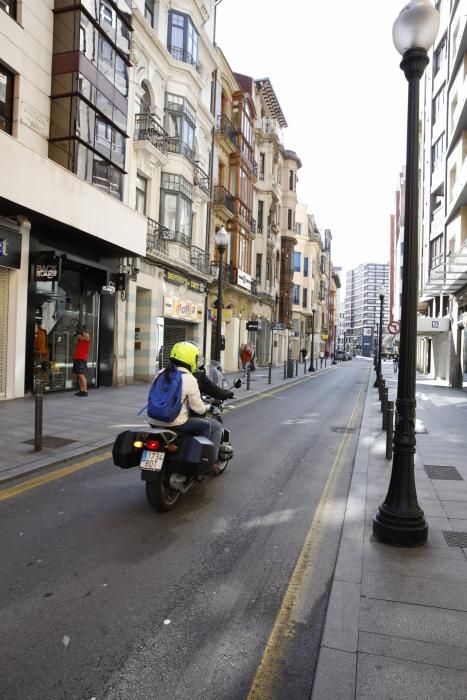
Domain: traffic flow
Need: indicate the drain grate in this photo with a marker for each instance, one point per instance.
(435, 471)
(51, 441)
(455, 539)
(343, 430)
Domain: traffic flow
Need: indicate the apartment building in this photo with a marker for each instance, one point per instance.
(442, 326)
(64, 222)
(362, 306)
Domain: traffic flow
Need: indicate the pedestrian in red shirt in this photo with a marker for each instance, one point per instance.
(80, 360)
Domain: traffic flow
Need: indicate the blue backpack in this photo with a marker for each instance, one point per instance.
(165, 395)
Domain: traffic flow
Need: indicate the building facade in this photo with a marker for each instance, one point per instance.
(362, 306)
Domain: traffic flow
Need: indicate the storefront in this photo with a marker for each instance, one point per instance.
(65, 293)
(10, 261)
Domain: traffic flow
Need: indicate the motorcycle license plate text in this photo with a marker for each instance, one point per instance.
(152, 461)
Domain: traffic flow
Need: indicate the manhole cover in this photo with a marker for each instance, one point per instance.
(435, 471)
(51, 441)
(455, 539)
(342, 430)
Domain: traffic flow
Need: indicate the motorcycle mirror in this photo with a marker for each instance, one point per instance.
(238, 383)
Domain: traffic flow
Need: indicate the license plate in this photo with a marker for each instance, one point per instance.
(152, 461)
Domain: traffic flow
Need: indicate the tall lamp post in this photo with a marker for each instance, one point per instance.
(222, 240)
(400, 520)
(311, 368)
(380, 338)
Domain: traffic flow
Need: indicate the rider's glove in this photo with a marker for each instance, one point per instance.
(231, 395)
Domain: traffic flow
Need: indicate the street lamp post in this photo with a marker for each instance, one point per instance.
(222, 240)
(311, 368)
(400, 520)
(380, 338)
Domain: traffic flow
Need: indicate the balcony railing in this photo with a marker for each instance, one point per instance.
(223, 198)
(176, 145)
(147, 129)
(159, 236)
(245, 214)
(225, 126)
(200, 259)
(201, 179)
(227, 270)
(184, 56)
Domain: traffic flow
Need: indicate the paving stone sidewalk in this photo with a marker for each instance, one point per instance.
(396, 625)
(74, 426)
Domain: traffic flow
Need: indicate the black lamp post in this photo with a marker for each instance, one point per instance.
(222, 240)
(311, 368)
(380, 338)
(400, 520)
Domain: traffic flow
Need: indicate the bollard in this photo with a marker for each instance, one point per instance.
(382, 385)
(304, 368)
(296, 368)
(270, 374)
(389, 428)
(38, 405)
(384, 400)
(285, 370)
(248, 378)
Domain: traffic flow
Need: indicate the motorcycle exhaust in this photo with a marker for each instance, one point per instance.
(178, 482)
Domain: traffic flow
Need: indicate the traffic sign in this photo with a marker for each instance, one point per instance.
(394, 327)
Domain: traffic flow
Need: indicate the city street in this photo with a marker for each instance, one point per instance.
(103, 598)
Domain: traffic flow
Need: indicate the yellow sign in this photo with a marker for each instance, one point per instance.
(324, 336)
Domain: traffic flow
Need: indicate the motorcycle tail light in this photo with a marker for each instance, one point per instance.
(138, 444)
(153, 445)
(172, 448)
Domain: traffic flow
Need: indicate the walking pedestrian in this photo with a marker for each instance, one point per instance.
(245, 357)
(80, 360)
(303, 353)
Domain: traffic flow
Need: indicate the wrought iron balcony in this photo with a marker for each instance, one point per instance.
(225, 127)
(184, 56)
(201, 179)
(176, 145)
(200, 259)
(147, 129)
(227, 269)
(243, 211)
(223, 198)
(159, 236)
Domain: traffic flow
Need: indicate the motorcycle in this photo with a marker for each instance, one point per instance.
(171, 462)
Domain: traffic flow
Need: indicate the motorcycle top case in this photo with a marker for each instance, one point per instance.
(123, 452)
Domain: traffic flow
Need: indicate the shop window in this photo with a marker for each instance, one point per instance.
(183, 38)
(9, 6)
(141, 194)
(6, 100)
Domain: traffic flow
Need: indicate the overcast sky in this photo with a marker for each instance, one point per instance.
(336, 74)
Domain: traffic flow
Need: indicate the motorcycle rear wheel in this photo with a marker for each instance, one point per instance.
(159, 494)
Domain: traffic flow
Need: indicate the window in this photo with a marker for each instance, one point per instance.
(6, 100)
(149, 11)
(183, 38)
(291, 181)
(141, 194)
(437, 152)
(260, 215)
(296, 294)
(175, 208)
(296, 262)
(259, 261)
(290, 219)
(9, 6)
(298, 229)
(180, 123)
(262, 165)
(439, 57)
(305, 267)
(438, 104)
(436, 252)
(305, 298)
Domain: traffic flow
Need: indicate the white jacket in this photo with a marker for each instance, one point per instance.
(190, 398)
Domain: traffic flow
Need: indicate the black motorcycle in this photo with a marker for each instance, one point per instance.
(172, 462)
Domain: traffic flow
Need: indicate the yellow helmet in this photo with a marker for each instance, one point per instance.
(185, 354)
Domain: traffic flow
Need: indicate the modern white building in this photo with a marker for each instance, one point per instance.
(362, 306)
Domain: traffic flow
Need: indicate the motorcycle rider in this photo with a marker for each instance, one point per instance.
(184, 356)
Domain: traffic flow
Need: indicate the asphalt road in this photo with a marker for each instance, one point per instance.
(100, 597)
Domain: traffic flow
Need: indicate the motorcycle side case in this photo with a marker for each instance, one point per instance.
(123, 453)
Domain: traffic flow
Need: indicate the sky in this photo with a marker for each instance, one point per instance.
(335, 72)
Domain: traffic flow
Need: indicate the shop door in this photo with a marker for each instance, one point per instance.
(4, 299)
(172, 335)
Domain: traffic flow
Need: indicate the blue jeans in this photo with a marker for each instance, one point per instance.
(206, 427)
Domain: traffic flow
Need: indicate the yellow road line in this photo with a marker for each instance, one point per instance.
(46, 478)
(283, 631)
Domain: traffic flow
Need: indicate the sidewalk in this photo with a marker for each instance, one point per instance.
(396, 625)
(74, 426)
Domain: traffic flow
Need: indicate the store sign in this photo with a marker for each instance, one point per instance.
(108, 289)
(244, 280)
(253, 325)
(10, 248)
(181, 281)
(46, 269)
(277, 326)
(182, 309)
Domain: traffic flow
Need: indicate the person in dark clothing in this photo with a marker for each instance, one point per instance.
(206, 386)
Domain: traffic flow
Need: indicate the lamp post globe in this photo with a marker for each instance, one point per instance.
(311, 368)
(399, 519)
(221, 239)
